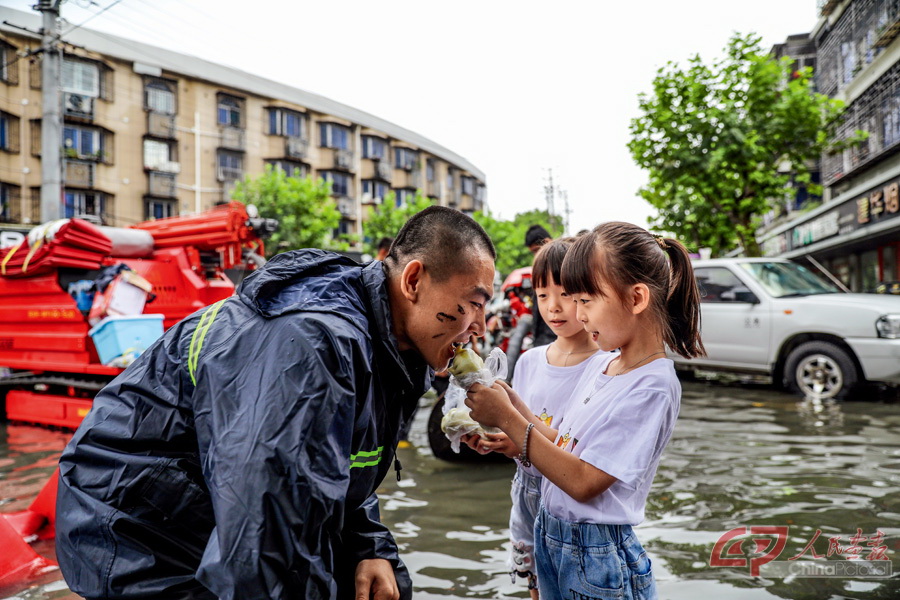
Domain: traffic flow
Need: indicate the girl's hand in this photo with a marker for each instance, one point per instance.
(500, 442)
(474, 441)
(514, 398)
(490, 405)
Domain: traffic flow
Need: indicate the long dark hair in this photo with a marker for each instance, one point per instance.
(620, 255)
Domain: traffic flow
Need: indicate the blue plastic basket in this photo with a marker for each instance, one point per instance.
(114, 336)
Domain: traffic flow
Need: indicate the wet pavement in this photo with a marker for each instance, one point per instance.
(741, 456)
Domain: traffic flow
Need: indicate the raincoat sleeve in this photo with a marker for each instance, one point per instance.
(366, 537)
(275, 435)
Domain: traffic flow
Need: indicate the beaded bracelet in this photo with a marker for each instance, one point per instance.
(523, 458)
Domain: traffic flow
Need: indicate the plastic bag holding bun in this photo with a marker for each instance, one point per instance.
(457, 422)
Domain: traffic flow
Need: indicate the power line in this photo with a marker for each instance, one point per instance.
(95, 15)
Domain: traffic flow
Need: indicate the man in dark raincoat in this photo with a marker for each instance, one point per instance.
(238, 457)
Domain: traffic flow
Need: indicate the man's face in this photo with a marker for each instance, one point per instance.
(442, 314)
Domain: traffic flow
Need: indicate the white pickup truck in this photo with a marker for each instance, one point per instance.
(778, 318)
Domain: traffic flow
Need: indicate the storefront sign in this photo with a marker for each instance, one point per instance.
(816, 230)
(879, 204)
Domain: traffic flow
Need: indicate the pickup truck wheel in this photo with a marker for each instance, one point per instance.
(820, 369)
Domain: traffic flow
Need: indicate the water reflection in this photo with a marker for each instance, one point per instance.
(740, 456)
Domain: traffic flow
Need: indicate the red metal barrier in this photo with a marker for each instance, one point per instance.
(18, 562)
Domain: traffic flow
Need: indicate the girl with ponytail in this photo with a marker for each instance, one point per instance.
(635, 292)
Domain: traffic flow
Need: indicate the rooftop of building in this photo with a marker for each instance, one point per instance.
(198, 68)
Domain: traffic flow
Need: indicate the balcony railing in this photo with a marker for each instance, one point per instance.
(162, 185)
(79, 174)
(164, 166)
(384, 170)
(888, 32)
(296, 147)
(232, 138)
(160, 125)
(343, 159)
(347, 207)
(230, 173)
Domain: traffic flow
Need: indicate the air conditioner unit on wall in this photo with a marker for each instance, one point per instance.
(78, 104)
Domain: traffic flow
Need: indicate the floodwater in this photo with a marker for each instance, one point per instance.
(741, 456)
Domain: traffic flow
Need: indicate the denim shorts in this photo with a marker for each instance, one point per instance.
(526, 502)
(588, 561)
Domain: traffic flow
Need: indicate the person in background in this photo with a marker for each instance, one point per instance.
(545, 378)
(636, 292)
(384, 246)
(536, 237)
(238, 457)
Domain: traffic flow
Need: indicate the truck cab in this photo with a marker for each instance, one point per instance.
(778, 318)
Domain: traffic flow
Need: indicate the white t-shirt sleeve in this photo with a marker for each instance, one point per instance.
(649, 417)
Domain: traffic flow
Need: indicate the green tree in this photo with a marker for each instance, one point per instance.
(305, 210)
(713, 137)
(387, 219)
(509, 236)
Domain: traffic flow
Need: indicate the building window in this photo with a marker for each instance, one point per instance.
(332, 135)
(374, 190)
(159, 155)
(429, 169)
(404, 197)
(80, 77)
(82, 142)
(230, 111)
(373, 147)
(158, 208)
(9, 64)
(479, 192)
(9, 200)
(288, 123)
(80, 203)
(9, 132)
(405, 158)
(468, 185)
(340, 182)
(292, 168)
(449, 179)
(231, 165)
(159, 97)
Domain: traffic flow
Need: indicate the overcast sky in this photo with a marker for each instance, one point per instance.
(516, 87)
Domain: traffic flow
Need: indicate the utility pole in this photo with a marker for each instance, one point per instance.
(550, 193)
(51, 123)
(564, 194)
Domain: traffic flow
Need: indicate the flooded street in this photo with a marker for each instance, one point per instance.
(741, 456)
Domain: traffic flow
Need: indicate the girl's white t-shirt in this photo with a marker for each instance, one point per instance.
(622, 430)
(546, 389)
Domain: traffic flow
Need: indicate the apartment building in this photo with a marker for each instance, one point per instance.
(856, 230)
(150, 133)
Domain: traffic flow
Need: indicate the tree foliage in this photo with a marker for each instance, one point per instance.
(509, 236)
(713, 139)
(387, 218)
(305, 210)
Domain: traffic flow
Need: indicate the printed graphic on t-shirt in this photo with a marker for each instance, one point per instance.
(547, 419)
(563, 441)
